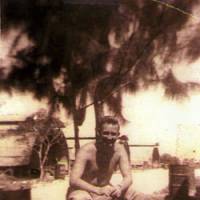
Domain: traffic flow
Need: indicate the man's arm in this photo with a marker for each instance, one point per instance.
(78, 170)
(125, 168)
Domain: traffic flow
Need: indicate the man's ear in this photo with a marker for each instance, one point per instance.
(119, 135)
(98, 131)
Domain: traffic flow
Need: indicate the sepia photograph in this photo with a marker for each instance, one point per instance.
(99, 100)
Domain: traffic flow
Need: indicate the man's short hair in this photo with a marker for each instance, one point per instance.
(108, 120)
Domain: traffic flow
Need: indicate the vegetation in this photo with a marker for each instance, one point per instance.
(81, 53)
(48, 135)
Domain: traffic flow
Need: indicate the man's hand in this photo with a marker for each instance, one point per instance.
(117, 191)
(106, 190)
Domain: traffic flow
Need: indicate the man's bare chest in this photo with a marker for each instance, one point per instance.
(103, 163)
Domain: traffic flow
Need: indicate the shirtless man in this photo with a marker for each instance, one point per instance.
(94, 166)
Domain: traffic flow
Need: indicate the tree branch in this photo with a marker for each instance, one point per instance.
(177, 9)
(125, 73)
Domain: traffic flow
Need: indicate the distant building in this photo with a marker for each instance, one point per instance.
(155, 155)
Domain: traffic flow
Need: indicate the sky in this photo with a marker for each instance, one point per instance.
(174, 125)
(152, 118)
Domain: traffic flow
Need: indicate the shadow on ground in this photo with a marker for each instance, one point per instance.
(16, 195)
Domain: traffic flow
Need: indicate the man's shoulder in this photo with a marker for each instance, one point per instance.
(119, 147)
(89, 147)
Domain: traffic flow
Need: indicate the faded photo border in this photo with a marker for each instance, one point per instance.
(64, 64)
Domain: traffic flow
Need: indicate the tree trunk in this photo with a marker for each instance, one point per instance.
(76, 133)
(41, 171)
(75, 121)
(99, 113)
(43, 160)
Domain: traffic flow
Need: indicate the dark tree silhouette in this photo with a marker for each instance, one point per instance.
(66, 47)
(144, 45)
(95, 52)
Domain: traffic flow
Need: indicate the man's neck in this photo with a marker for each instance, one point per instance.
(104, 148)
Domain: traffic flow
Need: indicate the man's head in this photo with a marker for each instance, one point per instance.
(108, 130)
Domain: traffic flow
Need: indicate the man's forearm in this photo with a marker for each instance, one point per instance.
(126, 182)
(85, 186)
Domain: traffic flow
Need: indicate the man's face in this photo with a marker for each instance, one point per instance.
(109, 133)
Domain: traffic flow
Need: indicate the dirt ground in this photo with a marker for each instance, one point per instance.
(145, 181)
(151, 181)
(55, 190)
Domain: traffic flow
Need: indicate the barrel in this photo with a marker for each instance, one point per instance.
(60, 171)
(197, 187)
(197, 192)
(179, 178)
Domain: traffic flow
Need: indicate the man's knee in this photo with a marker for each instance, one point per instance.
(79, 195)
(101, 197)
(132, 194)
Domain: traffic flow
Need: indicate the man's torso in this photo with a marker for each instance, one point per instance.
(100, 165)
